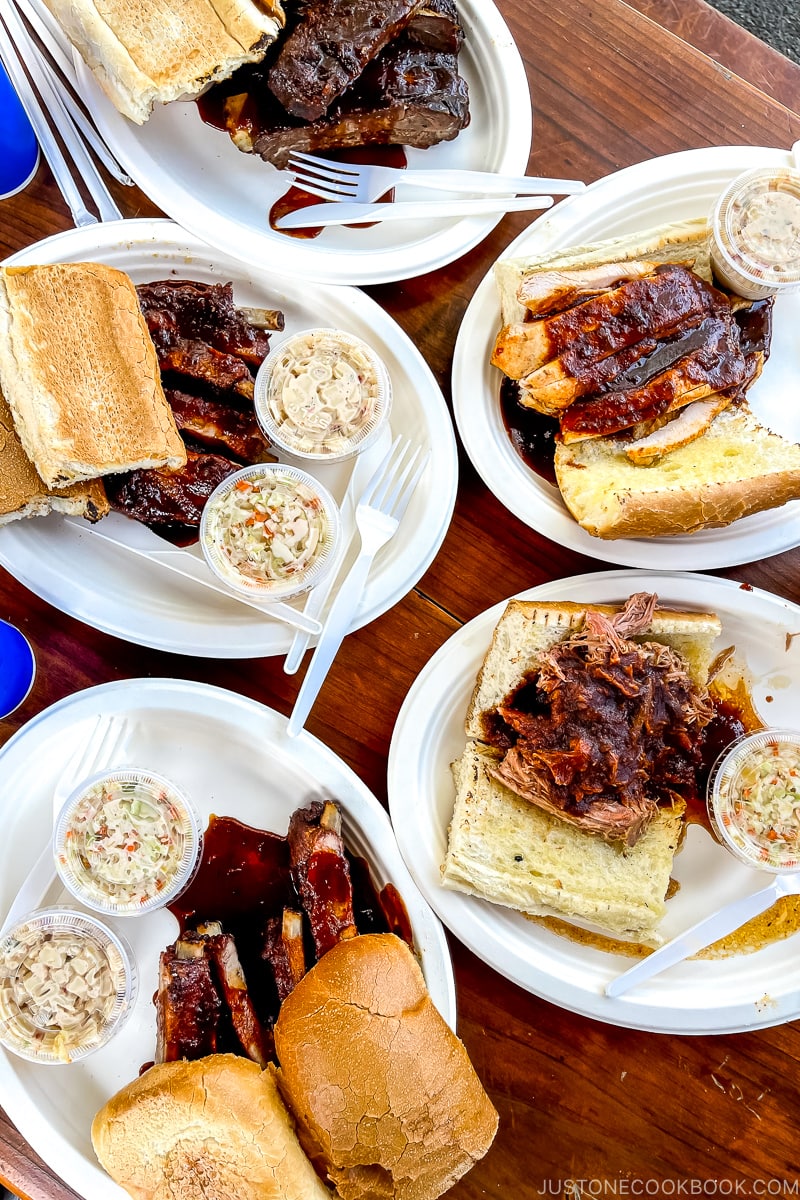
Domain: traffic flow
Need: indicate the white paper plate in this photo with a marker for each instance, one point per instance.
(232, 757)
(674, 188)
(197, 176)
(741, 992)
(109, 589)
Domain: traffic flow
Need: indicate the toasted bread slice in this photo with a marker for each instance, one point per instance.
(79, 372)
(528, 628)
(735, 469)
(503, 849)
(148, 51)
(22, 493)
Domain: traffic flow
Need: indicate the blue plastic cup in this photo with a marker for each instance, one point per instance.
(17, 668)
(19, 150)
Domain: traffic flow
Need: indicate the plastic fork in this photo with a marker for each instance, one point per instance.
(347, 181)
(100, 750)
(378, 514)
(709, 930)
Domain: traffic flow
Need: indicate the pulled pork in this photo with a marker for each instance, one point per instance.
(606, 729)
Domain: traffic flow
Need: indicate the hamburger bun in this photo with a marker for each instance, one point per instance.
(386, 1100)
(216, 1127)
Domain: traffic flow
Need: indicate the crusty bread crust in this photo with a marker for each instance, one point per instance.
(528, 628)
(22, 492)
(148, 51)
(504, 849)
(404, 1116)
(735, 469)
(80, 374)
(213, 1127)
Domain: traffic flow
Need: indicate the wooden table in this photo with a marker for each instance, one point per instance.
(579, 1100)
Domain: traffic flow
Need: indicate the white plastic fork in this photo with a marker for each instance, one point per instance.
(348, 181)
(378, 514)
(101, 749)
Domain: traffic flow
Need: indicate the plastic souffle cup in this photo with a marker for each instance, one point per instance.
(322, 396)
(755, 232)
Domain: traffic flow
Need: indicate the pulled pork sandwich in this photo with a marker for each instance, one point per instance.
(605, 728)
(584, 744)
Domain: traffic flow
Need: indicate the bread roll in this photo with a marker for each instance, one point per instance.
(216, 1127)
(22, 493)
(384, 1093)
(683, 241)
(80, 374)
(735, 469)
(148, 51)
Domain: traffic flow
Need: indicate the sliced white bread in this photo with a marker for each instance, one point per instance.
(22, 492)
(735, 469)
(79, 371)
(528, 628)
(505, 850)
(148, 51)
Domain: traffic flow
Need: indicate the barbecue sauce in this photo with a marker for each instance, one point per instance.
(532, 433)
(244, 879)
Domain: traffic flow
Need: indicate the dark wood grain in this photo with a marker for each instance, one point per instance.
(579, 1100)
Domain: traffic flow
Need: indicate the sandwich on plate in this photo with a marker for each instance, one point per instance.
(645, 362)
(585, 736)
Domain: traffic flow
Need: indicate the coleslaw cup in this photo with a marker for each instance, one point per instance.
(754, 800)
(270, 531)
(127, 841)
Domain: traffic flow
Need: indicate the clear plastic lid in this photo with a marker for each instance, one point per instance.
(270, 531)
(126, 842)
(67, 984)
(756, 233)
(754, 799)
(322, 395)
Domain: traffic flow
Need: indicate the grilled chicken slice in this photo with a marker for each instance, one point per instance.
(717, 366)
(552, 291)
(188, 1006)
(321, 873)
(252, 1036)
(656, 305)
(690, 424)
(284, 950)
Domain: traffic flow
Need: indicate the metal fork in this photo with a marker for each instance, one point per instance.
(346, 181)
(100, 750)
(378, 514)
